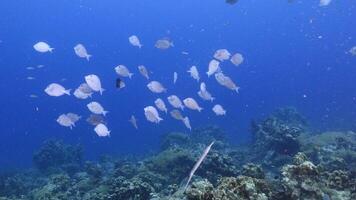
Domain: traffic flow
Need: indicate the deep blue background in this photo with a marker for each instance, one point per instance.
(290, 49)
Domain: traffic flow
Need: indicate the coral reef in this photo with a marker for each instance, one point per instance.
(55, 155)
(283, 162)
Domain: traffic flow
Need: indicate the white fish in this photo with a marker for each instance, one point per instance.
(56, 90)
(219, 110)
(164, 43)
(81, 51)
(152, 114)
(324, 2)
(222, 54)
(30, 78)
(237, 59)
(161, 105)
(186, 122)
(226, 81)
(96, 108)
(123, 71)
(73, 117)
(204, 94)
(65, 121)
(175, 77)
(33, 96)
(30, 68)
(192, 104)
(42, 47)
(83, 91)
(143, 71)
(194, 73)
(352, 51)
(176, 114)
(81, 95)
(133, 39)
(94, 83)
(175, 102)
(156, 87)
(197, 164)
(101, 130)
(40, 66)
(213, 67)
(133, 121)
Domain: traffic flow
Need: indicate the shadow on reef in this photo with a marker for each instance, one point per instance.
(285, 161)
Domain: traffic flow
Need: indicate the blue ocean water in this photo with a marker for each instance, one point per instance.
(295, 55)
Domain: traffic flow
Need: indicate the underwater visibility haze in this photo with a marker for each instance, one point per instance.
(184, 99)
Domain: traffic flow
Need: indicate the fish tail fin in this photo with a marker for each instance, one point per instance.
(67, 92)
(140, 46)
(237, 89)
(172, 44)
(101, 91)
(51, 50)
(130, 75)
(88, 57)
(212, 99)
(105, 112)
(200, 109)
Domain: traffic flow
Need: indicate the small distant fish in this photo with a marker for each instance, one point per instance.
(175, 102)
(192, 104)
(352, 51)
(133, 39)
(324, 2)
(185, 53)
(156, 87)
(30, 68)
(237, 59)
(94, 83)
(186, 122)
(42, 47)
(143, 71)
(96, 108)
(175, 77)
(176, 114)
(161, 105)
(33, 96)
(222, 54)
(30, 78)
(123, 71)
(194, 73)
(164, 43)
(133, 121)
(40, 66)
(213, 67)
(152, 114)
(219, 110)
(56, 90)
(101, 130)
(120, 83)
(81, 51)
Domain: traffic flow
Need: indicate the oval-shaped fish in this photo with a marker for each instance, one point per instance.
(192, 104)
(101, 130)
(161, 105)
(237, 59)
(134, 41)
(152, 115)
(176, 114)
(94, 83)
(194, 73)
(56, 90)
(219, 110)
(163, 43)
(123, 71)
(156, 87)
(213, 67)
(175, 102)
(81, 51)
(96, 108)
(222, 54)
(143, 71)
(42, 47)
